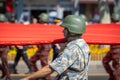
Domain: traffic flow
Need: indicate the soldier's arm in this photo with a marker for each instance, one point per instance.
(39, 74)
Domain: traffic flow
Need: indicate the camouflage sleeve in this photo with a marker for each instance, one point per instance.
(65, 60)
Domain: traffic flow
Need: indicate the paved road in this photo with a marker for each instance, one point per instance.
(98, 78)
(96, 70)
(90, 78)
(95, 67)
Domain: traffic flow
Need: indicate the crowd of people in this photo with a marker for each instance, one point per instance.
(41, 54)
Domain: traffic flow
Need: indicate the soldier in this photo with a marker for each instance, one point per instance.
(113, 56)
(3, 55)
(44, 18)
(72, 63)
(43, 49)
(21, 52)
(84, 18)
(3, 18)
(116, 18)
(56, 50)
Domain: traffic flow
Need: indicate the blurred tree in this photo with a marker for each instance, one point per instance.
(116, 12)
(117, 7)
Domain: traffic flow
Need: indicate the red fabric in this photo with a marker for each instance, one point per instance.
(39, 33)
(9, 7)
(103, 34)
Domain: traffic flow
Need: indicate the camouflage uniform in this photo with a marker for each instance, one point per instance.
(3, 54)
(73, 66)
(43, 49)
(114, 56)
(4, 66)
(42, 55)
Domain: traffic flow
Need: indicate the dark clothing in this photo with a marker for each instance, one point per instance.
(114, 56)
(4, 66)
(56, 51)
(42, 55)
(21, 53)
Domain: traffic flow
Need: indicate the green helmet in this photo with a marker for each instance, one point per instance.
(44, 17)
(116, 17)
(75, 24)
(83, 16)
(3, 18)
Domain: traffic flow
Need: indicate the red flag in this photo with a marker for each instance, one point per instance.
(50, 33)
(9, 7)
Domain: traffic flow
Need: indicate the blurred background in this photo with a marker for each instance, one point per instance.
(96, 11)
(17, 9)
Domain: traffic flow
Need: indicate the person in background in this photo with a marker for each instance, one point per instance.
(116, 18)
(56, 50)
(4, 67)
(84, 18)
(25, 20)
(112, 56)
(34, 21)
(3, 55)
(96, 15)
(72, 63)
(57, 21)
(21, 52)
(57, 46)
(43, 49)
